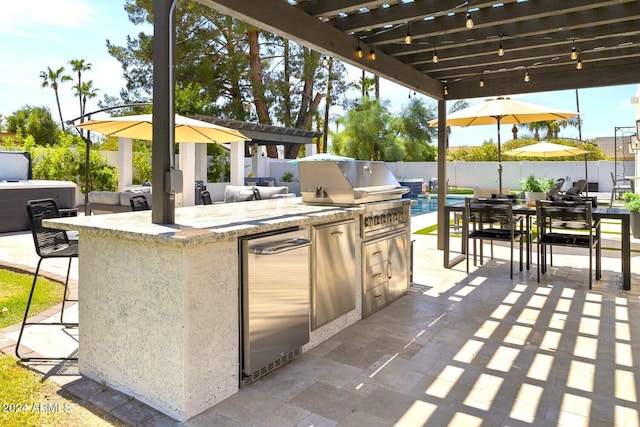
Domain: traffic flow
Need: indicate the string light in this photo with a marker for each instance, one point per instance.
(325, 61)
(469, 21)
(527, 77)
(446, 91)
(579, 63)
(435, 55)
(574, 52)
(500, 49)
(481, 82)
(407, 38)
(372, 55)
(359, 53)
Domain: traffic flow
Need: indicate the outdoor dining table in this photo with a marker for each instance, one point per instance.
(620, 214)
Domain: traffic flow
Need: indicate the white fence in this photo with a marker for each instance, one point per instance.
(485, 174)
(474, 174)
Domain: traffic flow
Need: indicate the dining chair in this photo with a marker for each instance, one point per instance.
(568, 224)
(620, 185)
(492, 220)
(49, 243)
(139, 203)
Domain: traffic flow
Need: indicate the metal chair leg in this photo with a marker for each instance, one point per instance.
(26, 316)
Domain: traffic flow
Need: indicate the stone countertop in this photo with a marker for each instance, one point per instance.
(208, 223)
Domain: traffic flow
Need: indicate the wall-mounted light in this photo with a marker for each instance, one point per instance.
(527, 77)
(500, 49)
(372, 55)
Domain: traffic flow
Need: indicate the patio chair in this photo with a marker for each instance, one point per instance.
(49, 243)
(568, 224)
(139, 203)
(493, 220)
(620, 185)
(574, 193)
(557, 188)
(205, 197)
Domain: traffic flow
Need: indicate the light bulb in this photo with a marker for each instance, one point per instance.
(446, 91)
(500, 50)
(574, 53)
(527, 77)
(407, 38)
(435, 57)
(325, 62)
(481, 82)
(359, 53)
(469, 22)
(579, 65)
(372, 55)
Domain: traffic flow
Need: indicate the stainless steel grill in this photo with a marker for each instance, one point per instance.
(384, 223)
(348, 182)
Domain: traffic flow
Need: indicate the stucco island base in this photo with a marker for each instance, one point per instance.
(159, 305)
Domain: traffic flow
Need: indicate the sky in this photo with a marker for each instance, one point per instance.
(36, 34)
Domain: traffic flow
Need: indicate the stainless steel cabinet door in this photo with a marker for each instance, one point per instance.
(333, 272)
(398, 268)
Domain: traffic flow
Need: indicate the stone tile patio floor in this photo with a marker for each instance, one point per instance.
(457, 350)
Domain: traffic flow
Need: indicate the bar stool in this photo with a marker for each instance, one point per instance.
(49, 243)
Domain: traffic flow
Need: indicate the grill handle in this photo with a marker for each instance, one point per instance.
(279, 246)
(397, 190)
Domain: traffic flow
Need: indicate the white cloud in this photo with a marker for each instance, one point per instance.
(33, 18)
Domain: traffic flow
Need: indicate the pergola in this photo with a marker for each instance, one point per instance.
(442, 49)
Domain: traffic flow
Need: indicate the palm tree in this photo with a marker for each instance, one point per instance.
(79, 65)
(86, 92)
(52, 78)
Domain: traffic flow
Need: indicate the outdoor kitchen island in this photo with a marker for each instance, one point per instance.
(160, 304)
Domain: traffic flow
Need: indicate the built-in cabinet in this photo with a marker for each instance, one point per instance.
(333, 271)
(385, 270)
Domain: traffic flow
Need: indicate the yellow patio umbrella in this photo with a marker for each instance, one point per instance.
(504, 110)
(545, 149)
(186, 129)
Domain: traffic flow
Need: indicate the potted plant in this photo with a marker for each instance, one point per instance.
(632, 203)
(535, 188)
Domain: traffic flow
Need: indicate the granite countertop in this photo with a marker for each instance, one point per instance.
(208, 223)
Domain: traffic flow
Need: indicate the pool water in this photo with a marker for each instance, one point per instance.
(430, 204)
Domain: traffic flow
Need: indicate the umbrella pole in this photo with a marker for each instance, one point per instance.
(499, 159)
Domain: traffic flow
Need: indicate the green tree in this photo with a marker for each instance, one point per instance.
(367, 134)
(51, 78)
(36, 122)
(244, 73)
(413, 131)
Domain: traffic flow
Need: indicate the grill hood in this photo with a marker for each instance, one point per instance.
(347, 182)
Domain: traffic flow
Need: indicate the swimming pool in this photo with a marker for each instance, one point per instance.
(430, 204)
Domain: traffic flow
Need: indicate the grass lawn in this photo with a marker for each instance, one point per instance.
(27, 399)
(15, 293)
